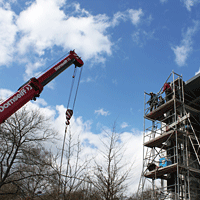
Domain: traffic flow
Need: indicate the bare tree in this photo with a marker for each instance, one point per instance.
(74, 168)
(110, 177)
(146, 195)
(39, 172)
(21, 138)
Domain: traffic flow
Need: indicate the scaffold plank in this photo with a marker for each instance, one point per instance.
(158, 141)
(161, 171)
(158, 113)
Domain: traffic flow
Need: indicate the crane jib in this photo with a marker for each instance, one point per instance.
(59, 69)
(32, 88)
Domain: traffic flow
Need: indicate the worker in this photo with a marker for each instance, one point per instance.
(161, 101)
(177, 88)
(168, 91)
(153, 101)
(188, 128)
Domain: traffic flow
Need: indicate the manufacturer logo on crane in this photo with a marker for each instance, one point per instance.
(63, 63)
(15, 98)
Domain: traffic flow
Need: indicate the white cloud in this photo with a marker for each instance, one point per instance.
(6, 3)
(36, 30)
(183, 51)
(32, 67)
(163, 1)
(134, 153)
(189, 3)
(44, 28)
(4, 94)
(135, 16)
(136, 36)
(119, 16)
(102, 112)
(124, 125)
(139, 36)
(197, 72)
(8, 32)
(40, 102)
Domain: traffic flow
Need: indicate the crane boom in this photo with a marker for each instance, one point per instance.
(32, 88)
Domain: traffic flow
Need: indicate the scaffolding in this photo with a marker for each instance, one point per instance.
(171, 147)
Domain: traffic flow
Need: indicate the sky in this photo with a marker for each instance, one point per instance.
(128, 47)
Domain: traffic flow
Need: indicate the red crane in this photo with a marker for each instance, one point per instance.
(32, 88)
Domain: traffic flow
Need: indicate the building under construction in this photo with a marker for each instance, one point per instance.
(171, 142)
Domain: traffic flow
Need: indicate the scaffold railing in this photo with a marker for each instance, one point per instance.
(171, 143)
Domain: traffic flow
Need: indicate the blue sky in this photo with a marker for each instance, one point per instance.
(128, 47)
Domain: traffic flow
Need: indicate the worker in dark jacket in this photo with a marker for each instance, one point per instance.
(153, 101)
(168, 91)
(161, 101)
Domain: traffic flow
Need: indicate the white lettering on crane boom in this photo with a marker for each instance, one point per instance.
(15, 98)
(63, 63)
(77, 57)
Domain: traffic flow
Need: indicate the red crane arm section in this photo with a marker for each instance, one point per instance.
(72, 58)
(32, 89)
(16, 101)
